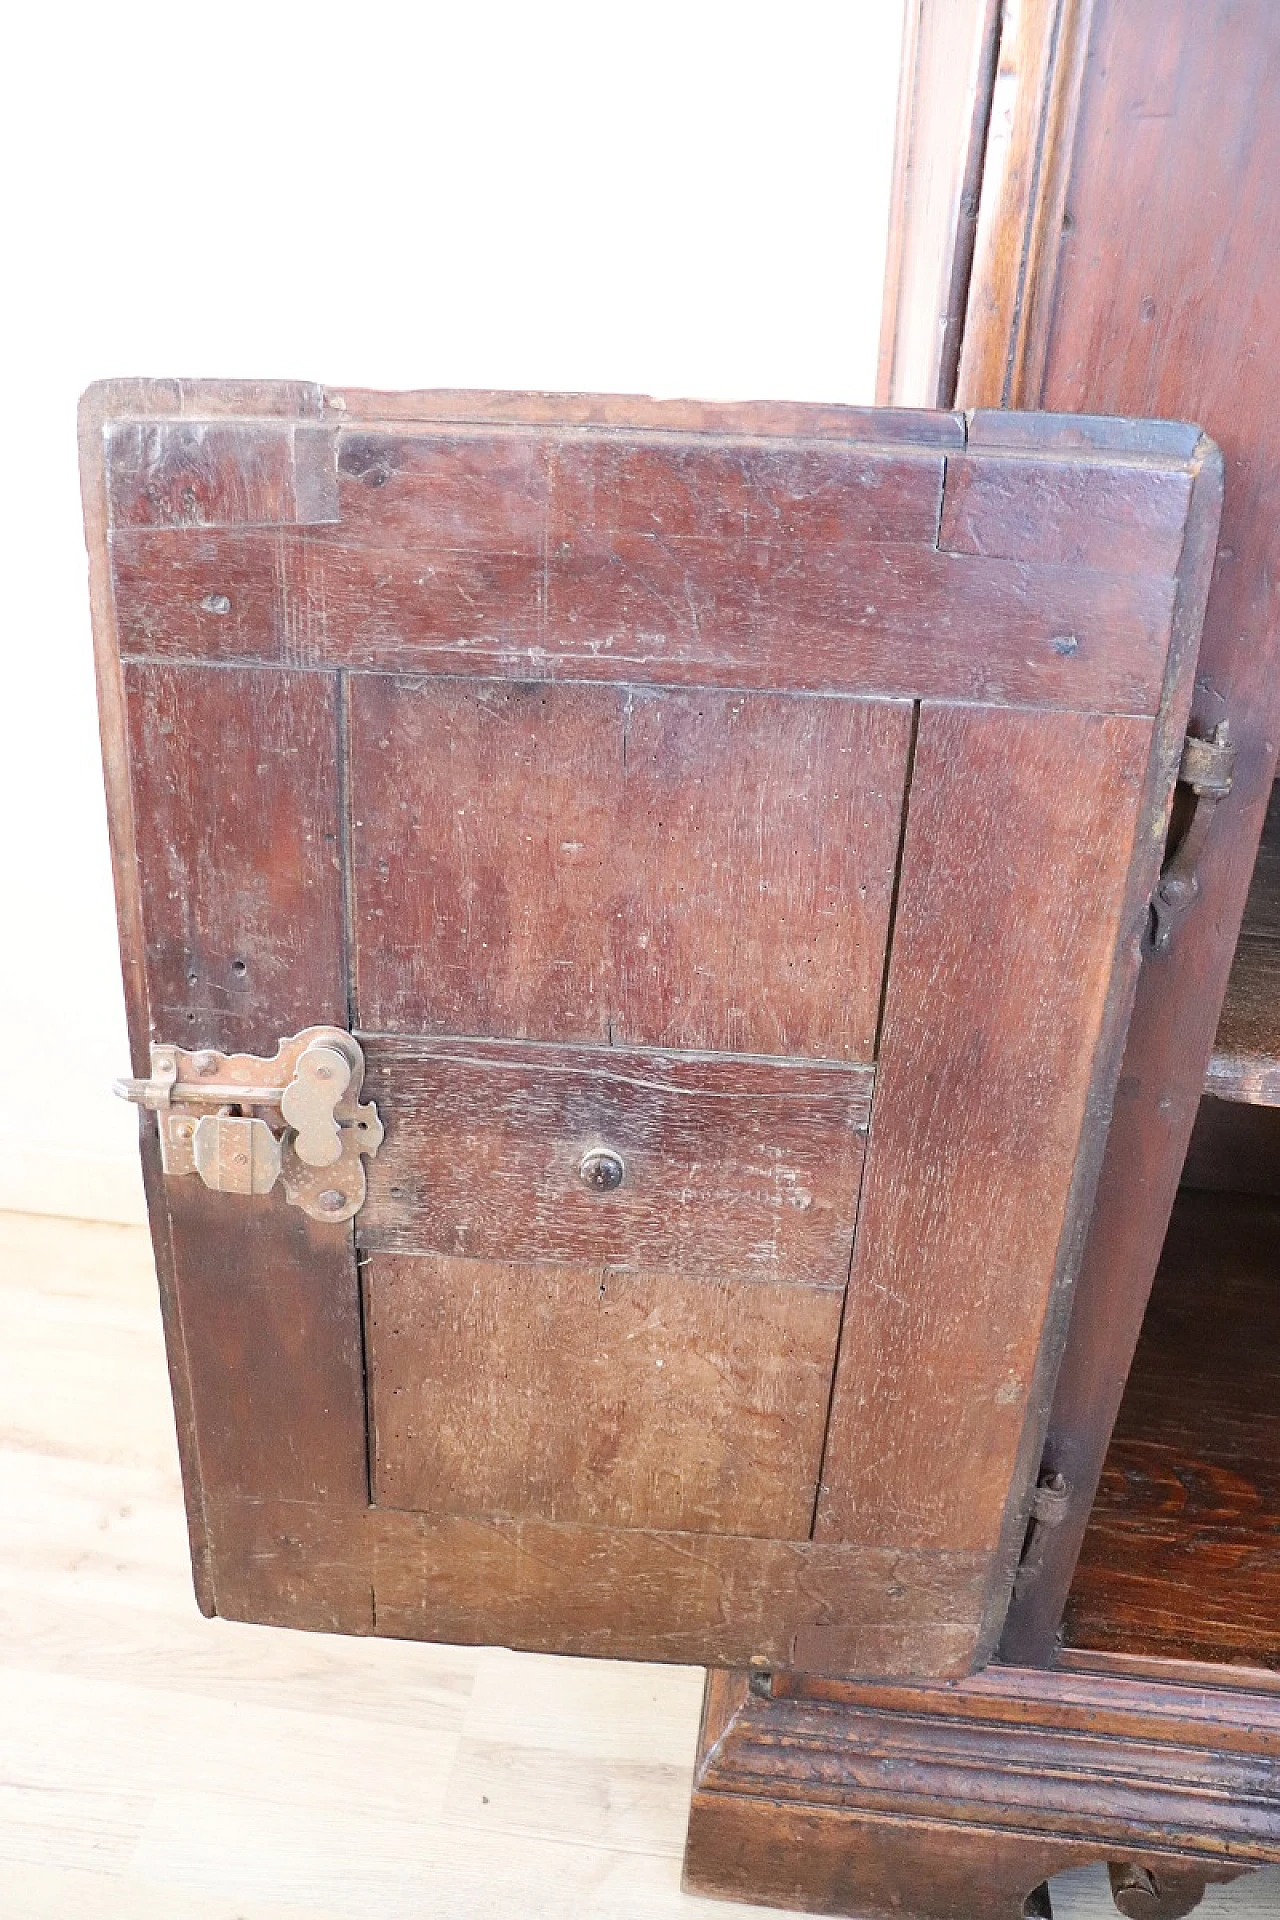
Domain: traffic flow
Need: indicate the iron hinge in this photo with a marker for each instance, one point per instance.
(1206, 770)
(210, 1110)
(1050, 1504)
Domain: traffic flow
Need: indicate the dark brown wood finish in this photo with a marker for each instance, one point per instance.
(1181, 1557)
(623, 867)
(733, 1166)
(1157, 296)
(235, 786)
(695, 1409)
(958, 1802)
(653, 560)
(1246, 1049)
(647, 745)
(970, 1177)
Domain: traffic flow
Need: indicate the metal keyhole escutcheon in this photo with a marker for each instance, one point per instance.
(602, 1170)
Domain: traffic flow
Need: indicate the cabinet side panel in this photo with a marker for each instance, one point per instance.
(1164, 291)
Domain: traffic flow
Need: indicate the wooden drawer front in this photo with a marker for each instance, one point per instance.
(598, 1396)
(733, 1168)
(634, 865)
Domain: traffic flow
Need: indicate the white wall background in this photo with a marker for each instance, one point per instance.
(664, 198)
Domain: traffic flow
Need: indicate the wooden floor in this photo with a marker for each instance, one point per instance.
(157, 1766)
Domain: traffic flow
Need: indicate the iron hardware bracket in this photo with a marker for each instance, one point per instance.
(207, 1103)
(1206, 769)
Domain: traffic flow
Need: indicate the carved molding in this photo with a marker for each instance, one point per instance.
(955, 1802)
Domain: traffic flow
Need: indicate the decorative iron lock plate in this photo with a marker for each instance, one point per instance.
(209, 1107)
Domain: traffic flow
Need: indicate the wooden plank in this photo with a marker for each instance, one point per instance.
(573, 1589)
(698, 870)
(236, 801)
(613, 1399)
(603, 556)
(166, 473)
(505, 489)
(1182, 1555)
(1004, 949)
(235, 796)
(1126, 519)
(1246, 1048)
(948, 70)
(734, 1167)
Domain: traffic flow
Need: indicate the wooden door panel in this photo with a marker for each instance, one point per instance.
(694, 1405)
(738, 1167)
(971, 1202)
(236, 797)
(618, 864)
(565, 755)
(509, 579)
(625, 1594)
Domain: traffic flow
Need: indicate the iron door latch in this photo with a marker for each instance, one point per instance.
(209, 1110)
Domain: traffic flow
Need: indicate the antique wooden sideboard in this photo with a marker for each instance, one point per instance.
(1087, 214)
(674, 955)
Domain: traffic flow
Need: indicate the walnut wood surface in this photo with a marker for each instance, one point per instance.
(1182, 1554)
(638, 1595)
(733, 1167)
(946, 1803)
(618, 864)
(677, 584)
(1246, 1050)
(238, 827)
(696, 1407)
(1138, 272)
(969, 1186)
(652, 558)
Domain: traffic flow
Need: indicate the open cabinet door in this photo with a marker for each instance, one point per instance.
(630, 914)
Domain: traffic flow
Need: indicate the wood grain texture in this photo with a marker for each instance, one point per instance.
(1246, 1049)
(565, 862)
(1128, 519)
(1022, 209)
(1158, 295)
(946, 1803)
(734, 1167)
(1182, 1554)
(948, 70)
(608, 1398)
(574, 1589)
(644, 561)
(238, 840)
(236, 798)
(219, 473)
(667, 559)
(995, 1011)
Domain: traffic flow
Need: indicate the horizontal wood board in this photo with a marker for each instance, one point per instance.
(694, 1406)
(733, 1167)
(625, 865)
(649, 555)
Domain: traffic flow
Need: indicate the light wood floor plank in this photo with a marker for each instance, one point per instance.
(157, 1766)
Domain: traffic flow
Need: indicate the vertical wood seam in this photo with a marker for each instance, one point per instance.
(886, 963)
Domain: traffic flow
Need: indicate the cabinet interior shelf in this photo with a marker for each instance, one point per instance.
(1246, 1053)
(1182, 1555)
